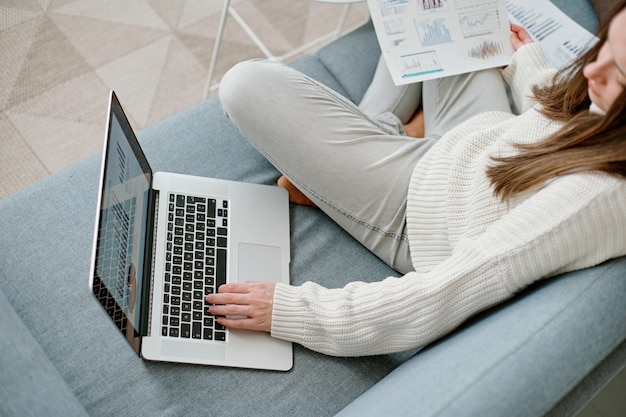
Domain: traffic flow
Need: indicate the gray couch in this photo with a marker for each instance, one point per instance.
(546, 352)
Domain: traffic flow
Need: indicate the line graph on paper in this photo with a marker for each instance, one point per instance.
(479, 19)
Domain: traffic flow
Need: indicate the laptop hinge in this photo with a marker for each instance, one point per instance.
(148, 276)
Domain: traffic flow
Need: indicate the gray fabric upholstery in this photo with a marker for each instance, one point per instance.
(61, 354)
(564, 327)
(36, 382)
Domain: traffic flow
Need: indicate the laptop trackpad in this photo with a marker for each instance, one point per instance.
(259, 263)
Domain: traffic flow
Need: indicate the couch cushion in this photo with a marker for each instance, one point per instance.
(45, 269)
(44, 273)
(346, 58)
(30, 385)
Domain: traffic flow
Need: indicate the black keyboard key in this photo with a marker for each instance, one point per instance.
(211, 208)
(196, 330)
(185, 330)
(220, 270)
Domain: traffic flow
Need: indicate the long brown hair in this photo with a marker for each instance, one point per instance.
(587, 141)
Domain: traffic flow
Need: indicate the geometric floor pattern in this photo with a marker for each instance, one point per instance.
(61, 57)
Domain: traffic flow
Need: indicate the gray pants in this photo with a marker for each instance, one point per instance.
(354, 162)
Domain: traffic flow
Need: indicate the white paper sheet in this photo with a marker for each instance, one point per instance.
(426, 39)
(561, 38)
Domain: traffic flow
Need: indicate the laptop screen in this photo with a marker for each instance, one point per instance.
(123, 227)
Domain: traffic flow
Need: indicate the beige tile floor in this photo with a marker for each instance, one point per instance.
(60, 58)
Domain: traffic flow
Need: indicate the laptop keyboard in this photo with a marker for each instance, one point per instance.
(196, 256)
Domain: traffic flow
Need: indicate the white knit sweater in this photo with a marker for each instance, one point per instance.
(470, 251)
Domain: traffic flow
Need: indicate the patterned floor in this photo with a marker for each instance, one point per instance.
(61, 57)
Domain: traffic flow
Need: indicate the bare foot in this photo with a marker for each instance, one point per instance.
(415, 127)
(295, 196)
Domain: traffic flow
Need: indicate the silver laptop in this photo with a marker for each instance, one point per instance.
(163, 241)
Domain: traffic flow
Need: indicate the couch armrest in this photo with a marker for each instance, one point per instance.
(522, 358)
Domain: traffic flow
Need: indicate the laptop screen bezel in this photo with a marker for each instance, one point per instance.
(132, 334)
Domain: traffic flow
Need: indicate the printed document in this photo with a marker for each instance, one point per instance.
(561, 38)
(426, 39)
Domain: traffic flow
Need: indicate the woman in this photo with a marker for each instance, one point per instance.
(486, 203)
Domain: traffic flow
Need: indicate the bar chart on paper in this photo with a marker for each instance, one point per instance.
(536, 23)
(485, 50)
(433, 32)
(431, 4)
(423, 63)
(561, 39)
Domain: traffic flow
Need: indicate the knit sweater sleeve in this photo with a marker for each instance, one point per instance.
(528, 67)
(574, 222)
